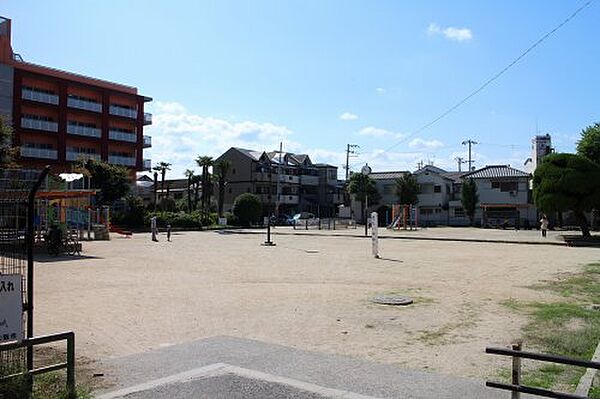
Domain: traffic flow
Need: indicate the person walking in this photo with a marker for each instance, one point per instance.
(169, 232)
(544, 224)
(153, 228)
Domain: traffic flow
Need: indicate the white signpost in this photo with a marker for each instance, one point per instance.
(11, 308)
(374, 235)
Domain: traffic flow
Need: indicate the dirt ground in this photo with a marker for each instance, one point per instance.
(311, 292)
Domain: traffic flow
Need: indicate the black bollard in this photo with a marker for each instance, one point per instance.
(268, 243)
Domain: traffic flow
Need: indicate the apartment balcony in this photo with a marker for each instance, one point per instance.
(43, 153)
(123, 111)
(147, 141)
(84, 104)
(86, 131)
(38, 124)
(75, 156)
(309, 180)
(147, 118)
(289, 199)
(124, 161)
(122, 136)
(147, 164)
(34, 95)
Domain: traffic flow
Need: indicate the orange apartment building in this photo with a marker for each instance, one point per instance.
(60, 117)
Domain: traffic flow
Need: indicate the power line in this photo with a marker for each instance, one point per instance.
(493, 78)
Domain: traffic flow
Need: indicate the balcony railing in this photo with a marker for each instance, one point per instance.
(84, 104)
(74, 156)
(39, 96)
(38, 124)
(44, 153)
(119, 160)
(147, 118)
(147, 141)
(122, 136)
(84, 131)
(123, 111)
(147, 164)
(309, 180)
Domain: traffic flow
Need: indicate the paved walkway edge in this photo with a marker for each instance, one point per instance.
(585, 383)
(218, 369)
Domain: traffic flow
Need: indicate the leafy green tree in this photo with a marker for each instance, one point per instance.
(407, 189)
(205, 162)
(222, 170)
(112, 180)
(136, 211)
(469, 198)
(363, 188)
(8, 153)
(588, 145)
(567, 182)
(189, 174)
(247, 209)
(162, 168)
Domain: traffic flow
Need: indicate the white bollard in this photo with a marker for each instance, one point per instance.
(374, 235)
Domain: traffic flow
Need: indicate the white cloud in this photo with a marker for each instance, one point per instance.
(380, 90)
(450, 32)
(425, 144)
(372, 131)
(179, 136)
(348, 116)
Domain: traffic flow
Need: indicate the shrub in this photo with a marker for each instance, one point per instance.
(247, 209)
(176, 219)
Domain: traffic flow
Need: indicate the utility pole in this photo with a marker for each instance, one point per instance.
(349, 150)
(460, 161)
(470, 143)
(420, 164)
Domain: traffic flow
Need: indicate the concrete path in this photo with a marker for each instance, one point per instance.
(227, 367)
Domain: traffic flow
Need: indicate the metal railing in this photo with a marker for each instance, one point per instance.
(324, 224)
(119, 160)
(74, 156)
(147, 164)
(122, 136)
(38, 124)
(517, 354)
(84, 131)
(84, 104)
(43, 153)
(147, 118)
(69, 365)
(39, 96)
(123, 111)
(147, 141)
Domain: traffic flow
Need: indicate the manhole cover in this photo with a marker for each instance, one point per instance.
(393, 300)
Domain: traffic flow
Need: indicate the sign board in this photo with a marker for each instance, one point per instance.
(222, 221)
(11, 308)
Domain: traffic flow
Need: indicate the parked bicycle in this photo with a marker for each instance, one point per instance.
(58, 242)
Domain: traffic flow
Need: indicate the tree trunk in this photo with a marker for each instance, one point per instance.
(221, 199)
(583, 223)
(189, 195)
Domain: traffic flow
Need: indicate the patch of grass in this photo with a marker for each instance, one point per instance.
(594, 393)
(53, 386)
(568, 328)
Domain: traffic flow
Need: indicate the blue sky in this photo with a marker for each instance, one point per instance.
(321, 74)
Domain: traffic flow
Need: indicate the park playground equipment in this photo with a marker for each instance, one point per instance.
(404, 217)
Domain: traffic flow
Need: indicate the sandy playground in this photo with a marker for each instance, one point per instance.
(311, 292)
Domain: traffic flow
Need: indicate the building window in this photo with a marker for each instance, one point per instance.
(437, 188)
(233, 171)
(38, 117)
(459, 212)
(83, 124)
(45, 91)
(425, 211)
(509, 186)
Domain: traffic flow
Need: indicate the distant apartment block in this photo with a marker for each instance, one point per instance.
(290, 182)
(60, 117)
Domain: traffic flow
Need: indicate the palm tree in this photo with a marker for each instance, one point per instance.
(205, 162)
(189, 174)
(222, 168)
(155, 186)
(162, 168)
(362, 186)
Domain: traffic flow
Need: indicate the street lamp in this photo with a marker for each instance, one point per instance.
(366, 171)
